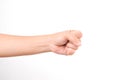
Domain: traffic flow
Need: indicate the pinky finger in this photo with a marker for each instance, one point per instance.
(70, 51)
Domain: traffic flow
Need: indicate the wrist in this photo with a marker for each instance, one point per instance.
(42, 43)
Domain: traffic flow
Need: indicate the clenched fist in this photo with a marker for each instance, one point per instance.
(65, 43)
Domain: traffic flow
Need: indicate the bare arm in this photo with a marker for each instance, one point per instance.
(66, 43)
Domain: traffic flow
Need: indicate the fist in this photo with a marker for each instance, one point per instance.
(66, 42)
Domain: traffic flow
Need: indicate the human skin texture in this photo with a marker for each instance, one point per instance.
(65, 43)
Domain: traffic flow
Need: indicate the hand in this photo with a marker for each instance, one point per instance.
(66, 42)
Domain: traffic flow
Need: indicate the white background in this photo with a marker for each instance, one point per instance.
(97, 59)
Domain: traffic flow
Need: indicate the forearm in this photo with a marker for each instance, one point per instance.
(23, 45)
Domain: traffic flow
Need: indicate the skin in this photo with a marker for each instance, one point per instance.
(65, 43)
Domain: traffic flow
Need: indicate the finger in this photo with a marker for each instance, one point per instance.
(70, 45)
(70, 51)
(73, 39)
(58, 49)
(78, 34)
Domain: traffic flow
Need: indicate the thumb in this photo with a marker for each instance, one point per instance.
(58, 49)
